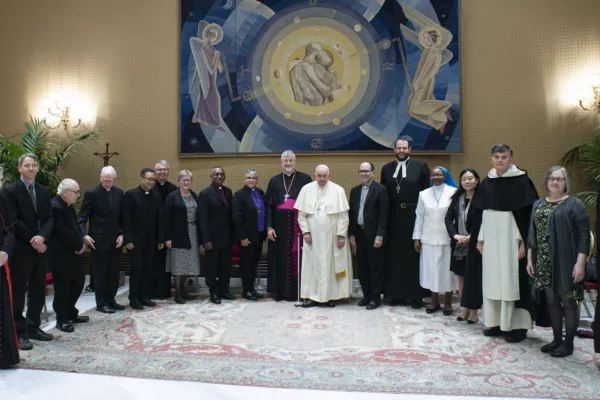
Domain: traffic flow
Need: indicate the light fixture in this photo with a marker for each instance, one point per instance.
(58, 110)
(589, 96)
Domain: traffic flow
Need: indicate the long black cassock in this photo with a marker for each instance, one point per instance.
(282, 275)
(402, 261)
(9, 353)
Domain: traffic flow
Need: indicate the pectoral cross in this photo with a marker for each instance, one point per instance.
(286, 196)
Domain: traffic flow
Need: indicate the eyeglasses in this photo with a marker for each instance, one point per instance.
(555, 179)
(186, 181)
(152, 179)
(162, 169)
(73, 191)
(251, 178)
(364, 171)
(436, 176)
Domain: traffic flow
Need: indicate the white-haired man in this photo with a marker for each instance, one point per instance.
(102, 209)
(283, 229)
(326, 262)
(66, 248)
(161, 280)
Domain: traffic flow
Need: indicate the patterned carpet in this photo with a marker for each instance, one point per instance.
(391, 349)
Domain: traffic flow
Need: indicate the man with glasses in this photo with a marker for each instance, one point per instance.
(216, 234)
(161, 280)
(143, 235)
(249, 230)
(369, 210)
(66, 248)
(30, 203)
(102, 208)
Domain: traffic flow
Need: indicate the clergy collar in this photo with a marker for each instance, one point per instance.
(158, 183)
(289, 175)
(145, 191)
(403, 162)
(105, 190)
(368, 184)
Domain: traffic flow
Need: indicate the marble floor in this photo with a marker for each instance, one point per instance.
(20, 384)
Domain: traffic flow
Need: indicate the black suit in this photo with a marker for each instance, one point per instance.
(245, 224)
(371, 260)
(161, 279)
(143, 227)
(102, 209)
(67, 267)
(28, 267)
(216, 228)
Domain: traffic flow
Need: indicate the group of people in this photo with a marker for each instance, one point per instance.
(416, 233)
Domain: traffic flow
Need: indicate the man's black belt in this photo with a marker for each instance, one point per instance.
(406, 205)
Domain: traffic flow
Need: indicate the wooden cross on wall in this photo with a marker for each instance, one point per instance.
(106, 155)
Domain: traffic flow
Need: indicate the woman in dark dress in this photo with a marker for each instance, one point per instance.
(9, 348)
(457, 222)
(558, 245)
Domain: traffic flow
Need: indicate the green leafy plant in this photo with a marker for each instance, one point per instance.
(51, 147)
(587, 158)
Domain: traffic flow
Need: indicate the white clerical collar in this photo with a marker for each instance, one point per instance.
(401, 165)
(368, 184)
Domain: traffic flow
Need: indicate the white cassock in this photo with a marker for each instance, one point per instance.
(430, 229)
(500, 236)
(326, 270)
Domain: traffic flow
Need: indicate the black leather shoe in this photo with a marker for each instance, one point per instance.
(433, 310)
(447, 311)
(372, 305)
(179, 300)
(117, 306)
(563, 351)
(415, 305)
(363, 302)
(309, 303)
(186, 296)
(25, 343)
(148, 302)
(257, 295)
(215, 299)
(550, 347)
(136, 305)
(493, 331)
(64, 327)
(106, 309)
(516, 336)
(40, 335)
(249, 296)
(81, 319)
(278, 298)
(331, 303)
(227, 296)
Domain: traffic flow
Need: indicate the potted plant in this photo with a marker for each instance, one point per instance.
(51, 149)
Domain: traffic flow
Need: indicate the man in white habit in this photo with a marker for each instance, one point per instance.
(326, 263)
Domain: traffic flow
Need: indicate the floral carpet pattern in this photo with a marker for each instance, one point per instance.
(268, 343)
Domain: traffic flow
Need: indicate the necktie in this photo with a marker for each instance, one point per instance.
(32, 195)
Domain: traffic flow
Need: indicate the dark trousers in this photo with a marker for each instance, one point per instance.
(371, 264)
(106, 275)
(68, 283)
(249, 258)
(161, 280)
(140, 277)
(218, 270)
(28, 275)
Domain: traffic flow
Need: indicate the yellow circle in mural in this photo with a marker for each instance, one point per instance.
(277, 73)
(357, 27)
(296, 20)
(321, 52)
(365, 71)
(287, 116)
(336, 121)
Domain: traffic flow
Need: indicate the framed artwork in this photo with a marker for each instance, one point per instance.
(319, 76)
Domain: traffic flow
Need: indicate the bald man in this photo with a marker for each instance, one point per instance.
(326, 263)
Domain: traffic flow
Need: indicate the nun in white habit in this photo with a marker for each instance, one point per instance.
(431, 239)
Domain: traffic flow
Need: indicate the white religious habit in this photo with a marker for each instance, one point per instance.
(326, 270)
(430, 229)
(500, 267)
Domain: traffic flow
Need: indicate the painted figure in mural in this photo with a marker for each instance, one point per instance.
(433, 39)
(207, 104)
(313, 77)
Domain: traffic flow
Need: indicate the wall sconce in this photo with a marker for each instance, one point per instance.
(58, 111)
(589, 96)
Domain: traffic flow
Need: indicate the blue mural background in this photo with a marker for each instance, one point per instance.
(251, 119)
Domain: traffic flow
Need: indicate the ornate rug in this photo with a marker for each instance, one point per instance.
(391, 349)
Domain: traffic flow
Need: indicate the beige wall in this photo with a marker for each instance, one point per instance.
(520, 59)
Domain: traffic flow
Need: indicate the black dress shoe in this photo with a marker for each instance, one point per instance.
(471, 322)
(81, 319)
(179, 300)
(415, 305)
(249, 296)
(363, 302)
(215, 299)
(148, 302)
(107, 309)
(227, 296)
(331, 303)
(563, 351)
(257, 295)
(25, 343)
(136, 305)
(40, 335)
(186, 296)
(447, 311)
(550, 347)
(516, 335)
(116, 305)
(493, 331)
(278, 298)
(65, 327)
(372, 305)
(309, 303)
(433, 310)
